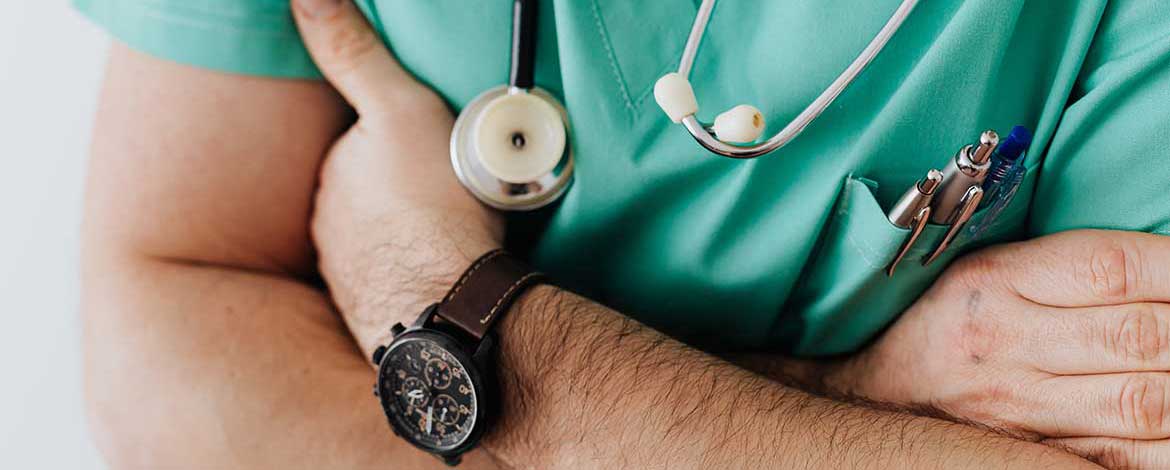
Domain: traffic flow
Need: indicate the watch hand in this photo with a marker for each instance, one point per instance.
(429, 410)
(443, 417)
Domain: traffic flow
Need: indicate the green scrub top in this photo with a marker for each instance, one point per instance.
(784, 252)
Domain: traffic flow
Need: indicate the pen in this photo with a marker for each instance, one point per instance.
(962, 213)
(1003, 179)
(1003, 168)
(912, 211)
(917, 197)
(968, 168)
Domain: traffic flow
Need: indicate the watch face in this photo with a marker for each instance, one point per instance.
(428, 392)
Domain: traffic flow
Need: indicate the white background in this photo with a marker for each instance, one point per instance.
(50, 69)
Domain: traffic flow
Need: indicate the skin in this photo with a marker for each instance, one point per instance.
(1062, 339)
(208, 338)
(610, 371)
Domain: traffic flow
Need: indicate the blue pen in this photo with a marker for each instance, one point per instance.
(1006, 164)
(1003, 177)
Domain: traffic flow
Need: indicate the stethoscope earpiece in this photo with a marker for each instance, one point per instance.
(676, 97)
(742, 124)
(511, 148)
(735, 132)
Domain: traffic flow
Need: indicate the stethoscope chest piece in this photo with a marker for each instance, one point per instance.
(509, 148)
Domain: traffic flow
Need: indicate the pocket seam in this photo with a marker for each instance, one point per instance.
(867, 252)
(614, 67)
(626, 91)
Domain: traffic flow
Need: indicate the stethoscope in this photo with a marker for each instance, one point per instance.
(510, 146)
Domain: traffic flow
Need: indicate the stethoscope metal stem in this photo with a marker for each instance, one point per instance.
(700, 132)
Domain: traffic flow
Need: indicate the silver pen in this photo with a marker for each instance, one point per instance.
(917, 197)
(968, 168)
(912, 211)
(966, 208)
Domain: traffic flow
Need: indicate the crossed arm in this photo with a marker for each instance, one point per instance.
(209, 338)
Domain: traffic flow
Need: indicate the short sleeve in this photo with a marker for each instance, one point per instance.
(254, 37)
(1108, 165)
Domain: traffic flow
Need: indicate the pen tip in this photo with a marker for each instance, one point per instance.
(989, 137)
(933, 179)
(988, 140)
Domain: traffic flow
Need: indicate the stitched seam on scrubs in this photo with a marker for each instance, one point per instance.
(609, 54)
(867, 252)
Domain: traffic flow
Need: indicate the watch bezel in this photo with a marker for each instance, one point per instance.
(473, 361)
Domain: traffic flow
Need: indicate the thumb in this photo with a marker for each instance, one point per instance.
(351, 55)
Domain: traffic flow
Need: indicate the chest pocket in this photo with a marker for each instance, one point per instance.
(844, 297)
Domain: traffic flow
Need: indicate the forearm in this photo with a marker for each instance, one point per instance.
(228, 368)
(205, 345)
(587, 387)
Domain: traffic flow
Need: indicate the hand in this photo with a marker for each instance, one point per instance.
(389, 211)
(1064, 338)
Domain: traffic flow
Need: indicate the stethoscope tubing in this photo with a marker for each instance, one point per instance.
(701, 132)
(525, 17)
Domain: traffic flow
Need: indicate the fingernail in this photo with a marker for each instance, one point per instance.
(318, 8)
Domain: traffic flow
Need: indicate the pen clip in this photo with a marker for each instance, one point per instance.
(967, 206)
(916, 225)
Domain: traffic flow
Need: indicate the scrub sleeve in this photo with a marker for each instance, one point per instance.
(254, 37)
(1108, 165)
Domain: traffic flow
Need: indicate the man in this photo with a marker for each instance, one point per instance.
(210, 310)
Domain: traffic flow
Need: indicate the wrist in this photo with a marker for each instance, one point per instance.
(408, 263)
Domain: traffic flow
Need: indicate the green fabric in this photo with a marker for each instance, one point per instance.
(783, 252)
(241, 36)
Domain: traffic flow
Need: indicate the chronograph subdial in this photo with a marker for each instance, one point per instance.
(414, 392)
(447, 409)
(439, 373)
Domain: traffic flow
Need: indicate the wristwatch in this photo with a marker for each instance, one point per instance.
(437, 378)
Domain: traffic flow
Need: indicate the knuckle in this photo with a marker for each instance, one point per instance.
(1110, 270)
(1141, 404)
(1139, 334)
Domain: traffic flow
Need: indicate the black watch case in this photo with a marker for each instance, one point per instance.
(426, 366)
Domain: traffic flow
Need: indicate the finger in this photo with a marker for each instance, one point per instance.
(1133, 406)
(1088, 267)
(1115, 453)
(1099, 340)
(352, 57)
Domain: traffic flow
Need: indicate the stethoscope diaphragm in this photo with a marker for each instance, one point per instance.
(510, 148)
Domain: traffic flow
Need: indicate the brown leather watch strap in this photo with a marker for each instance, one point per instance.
(485, 292)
